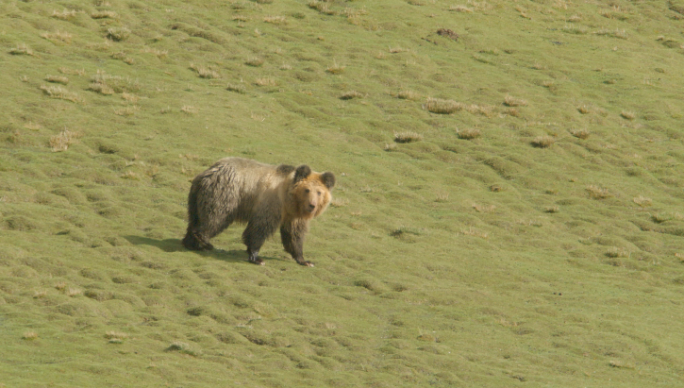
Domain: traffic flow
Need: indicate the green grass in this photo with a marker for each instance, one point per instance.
(507, 247)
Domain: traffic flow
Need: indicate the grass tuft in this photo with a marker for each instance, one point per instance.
(255, 62)
(628, 115)
(581, 134)
(59, 36)
(205, 71)
(61, 93)
(408, 95)
(468, 133)
(104, 15)
(21, 49)
(513, 102)
(543, 141)
(118, 34)
(440, 106)
(460, 8)
(643, 201)
(57, 79)
(183, 348)
(30, 336)
(596, 192)
(350, 95)
(407, 137)
(66, 14)
(237, 88)
(61, 141)
(335, 69)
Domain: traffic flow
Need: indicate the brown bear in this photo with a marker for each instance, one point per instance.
(265, 197)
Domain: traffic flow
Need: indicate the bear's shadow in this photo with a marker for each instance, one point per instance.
(175, 245)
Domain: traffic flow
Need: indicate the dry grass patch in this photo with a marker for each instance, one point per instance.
(100, 88)
(237, 88)
(205, 71)
(475, 233)
(126, 111)
(551, 209)
(21, 49)
(628, 115)
(642, 201)
(255, 62)
(468, 133)
(265, 81)
(59, 36)
(335, 69)
(484, 110)
(408, 95)
(189, 109)
(68, 71)
(161, 54)
(583, 109)
(480, 208)
(57, 79)
(64, 15)
(581, 134)
(114, 83)
(351, 95)
(397, 50)
(513, 102)
(61, 93)
(596, 192)
(407, 137)
(617, 33)
(104, 15)
(321, 6)
(460, 8)
(542, 141)
(436, 105)
(130, 97)
(61, 141)
(390, 147)
(275, 19)
(118, 34)
(182, 347)
(71, 292)
(30, 336)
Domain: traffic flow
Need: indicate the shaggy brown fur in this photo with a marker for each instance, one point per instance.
(265, 197)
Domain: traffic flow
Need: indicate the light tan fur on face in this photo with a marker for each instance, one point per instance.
(311, 196)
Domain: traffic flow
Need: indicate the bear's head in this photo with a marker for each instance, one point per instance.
(310, 192)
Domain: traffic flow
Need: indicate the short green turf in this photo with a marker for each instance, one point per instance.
(508, 209)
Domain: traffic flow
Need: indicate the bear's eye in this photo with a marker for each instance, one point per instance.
(319, 192)
(307, 191)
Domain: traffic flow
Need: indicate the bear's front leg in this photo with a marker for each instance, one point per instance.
(292, 235)
(256, 233)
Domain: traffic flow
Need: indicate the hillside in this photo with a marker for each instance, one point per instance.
(508, 207)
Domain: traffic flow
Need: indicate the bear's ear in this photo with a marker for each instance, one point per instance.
(302, 172)
(328, 180)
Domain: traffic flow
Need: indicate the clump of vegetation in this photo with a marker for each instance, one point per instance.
(335, 69)
(255, 62)
(237, 88)
(408, 95)
(468, 133)
(57, 37)
(543, 141)
(21, 49)
(513, 102)
(61, 93)
(436, 105)
(61, 141)
(407, 137)
(118, 34)
(57, 79)
(581, 133)
(628, 115)
(205, 71)
(104, 15)
(351, 94)
(597, 192)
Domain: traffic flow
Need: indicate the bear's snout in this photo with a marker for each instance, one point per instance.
(312, 206)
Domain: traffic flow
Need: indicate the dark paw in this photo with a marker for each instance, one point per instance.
(305, 263)
(257, 261)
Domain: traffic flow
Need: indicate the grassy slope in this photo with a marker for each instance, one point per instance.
(446, 262)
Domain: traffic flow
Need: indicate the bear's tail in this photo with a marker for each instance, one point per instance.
(194, 240)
